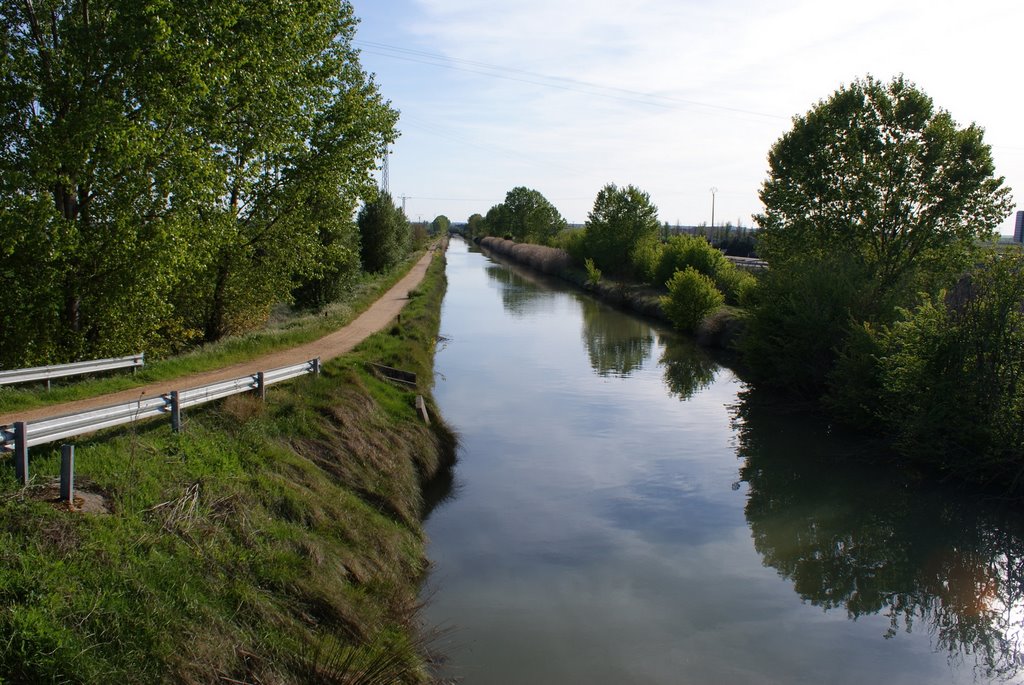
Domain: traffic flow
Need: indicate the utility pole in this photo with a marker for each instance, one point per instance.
(713, 191)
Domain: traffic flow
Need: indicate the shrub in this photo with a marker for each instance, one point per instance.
(691, 297)
(952, 374)
(682, 251)
(803, 317)
(732, 281)
(593, 273)
(572, 241)
(645, 258)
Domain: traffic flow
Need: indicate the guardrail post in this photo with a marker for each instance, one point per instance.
(175, 412)
(261, 385)
(67, 473)
(316, 366)
(21, 452)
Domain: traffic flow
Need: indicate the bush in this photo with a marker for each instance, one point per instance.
(593, 273)
(733, 281)
(952, 375)
(645, 259)
(682, 251)
(691, 297)
(804, 314)
(572, 241)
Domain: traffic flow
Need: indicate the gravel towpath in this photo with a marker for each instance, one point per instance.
(332, 345)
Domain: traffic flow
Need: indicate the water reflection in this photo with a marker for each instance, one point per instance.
(851, 538)
(617, 345)
(520, 294)
(688, 368)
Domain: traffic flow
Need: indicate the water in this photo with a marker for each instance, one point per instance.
(628, 511)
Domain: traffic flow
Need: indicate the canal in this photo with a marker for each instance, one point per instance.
(626, 510)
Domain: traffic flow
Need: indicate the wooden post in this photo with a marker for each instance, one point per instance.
(21, 452)
(67, 473)
(261, 385)
(175, 412)
(421, 406)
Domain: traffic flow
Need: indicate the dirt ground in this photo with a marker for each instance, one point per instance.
(332, 345)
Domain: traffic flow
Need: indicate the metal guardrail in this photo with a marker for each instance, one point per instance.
(47, 373)
(21, 435)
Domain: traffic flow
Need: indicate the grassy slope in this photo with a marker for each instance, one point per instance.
(267, 543)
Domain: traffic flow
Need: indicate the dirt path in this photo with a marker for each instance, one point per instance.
(332, 345)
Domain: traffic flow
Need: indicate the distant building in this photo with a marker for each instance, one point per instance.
(1018, 228)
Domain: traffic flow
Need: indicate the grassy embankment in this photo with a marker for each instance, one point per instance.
(267, 543)
(285, 329)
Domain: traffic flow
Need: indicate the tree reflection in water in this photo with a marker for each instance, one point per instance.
(617, 344)
(854, 535)
(520, 295)
(688, 368)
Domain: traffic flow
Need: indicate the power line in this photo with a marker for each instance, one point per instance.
(547, 81)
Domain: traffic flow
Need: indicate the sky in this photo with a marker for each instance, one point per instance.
(676, 97)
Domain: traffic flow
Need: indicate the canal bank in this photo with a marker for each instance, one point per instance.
(267, 542)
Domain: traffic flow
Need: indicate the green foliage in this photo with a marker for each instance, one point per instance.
(170, 170)
(419, 236)
(621, 226)
(593, 273)
(682, 251)
(292, 328)
(803, 314)
(952, 373)
(525, 216)
(877, 171)
(873, 197)
(573, 241)
(735, 283)
(475, 227)
(440, 224)
(645, 259)
(691, 297)
(385, 234)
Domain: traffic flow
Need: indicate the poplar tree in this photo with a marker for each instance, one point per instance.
(170, 170)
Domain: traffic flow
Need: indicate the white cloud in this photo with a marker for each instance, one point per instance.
(723, 77)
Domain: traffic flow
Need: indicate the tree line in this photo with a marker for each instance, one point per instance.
(170, 171)
(881, 303)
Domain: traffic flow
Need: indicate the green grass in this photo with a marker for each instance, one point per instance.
(288, 329)
(267, 542)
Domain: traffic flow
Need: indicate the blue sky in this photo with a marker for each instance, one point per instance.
(673, 96)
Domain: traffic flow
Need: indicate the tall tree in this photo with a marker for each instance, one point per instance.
(529, 217)
(385, 233)
(99, 167)
(622, 222)
(296, 133)
(475, 226)
(440, 224)
(879, 172)
(873, 197)
(174, 167)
